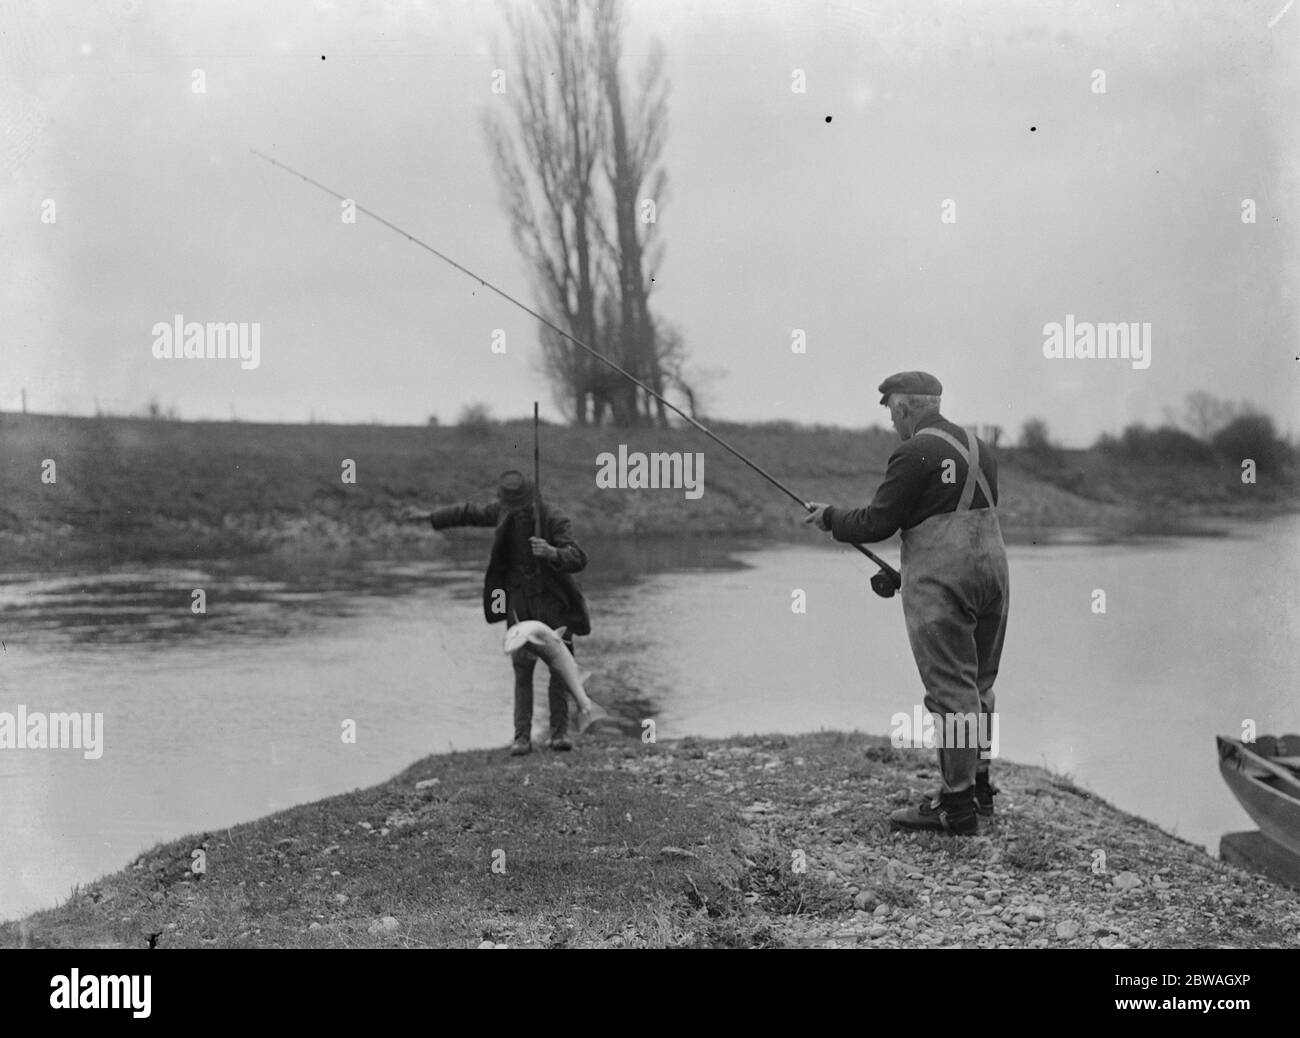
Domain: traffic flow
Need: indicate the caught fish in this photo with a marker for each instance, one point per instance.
(549, 645)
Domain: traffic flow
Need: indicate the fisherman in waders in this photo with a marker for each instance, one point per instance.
(941, 490)
(528, 578)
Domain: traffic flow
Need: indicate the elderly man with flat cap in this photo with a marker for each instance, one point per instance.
(528, 578)
(941, 490)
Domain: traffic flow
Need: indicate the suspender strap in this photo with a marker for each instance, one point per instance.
(974, 474)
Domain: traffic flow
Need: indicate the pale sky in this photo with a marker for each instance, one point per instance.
(1122, 206)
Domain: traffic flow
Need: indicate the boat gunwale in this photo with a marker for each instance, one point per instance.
(1240, 755)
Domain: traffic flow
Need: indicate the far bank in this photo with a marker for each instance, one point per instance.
(123, 489)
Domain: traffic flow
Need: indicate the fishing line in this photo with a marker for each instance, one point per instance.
(891, 573)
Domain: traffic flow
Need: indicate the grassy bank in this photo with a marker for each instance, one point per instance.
(691, 843)
(138, 489)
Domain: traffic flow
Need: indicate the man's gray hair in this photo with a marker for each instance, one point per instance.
(918, 401)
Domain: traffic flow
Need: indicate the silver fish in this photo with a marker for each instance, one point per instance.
(549, 645)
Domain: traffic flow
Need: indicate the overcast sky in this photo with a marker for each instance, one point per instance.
(1117, 206)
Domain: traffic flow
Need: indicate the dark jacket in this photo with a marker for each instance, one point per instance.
(510, 577)
(913, 488)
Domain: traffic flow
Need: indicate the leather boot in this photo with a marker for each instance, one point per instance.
(985, 791)
(952, 813)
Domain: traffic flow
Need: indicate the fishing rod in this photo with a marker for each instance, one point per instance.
(884, 583)
(537, 476)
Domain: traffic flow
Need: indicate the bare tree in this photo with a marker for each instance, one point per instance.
(580, 232)
(636, 141)
(1205, 414)
(1034, 436)
(549, 192)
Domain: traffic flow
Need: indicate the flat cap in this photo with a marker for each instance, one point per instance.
(922, 383)
(514, 490)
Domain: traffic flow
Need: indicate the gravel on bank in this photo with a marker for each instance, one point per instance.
(742, 842)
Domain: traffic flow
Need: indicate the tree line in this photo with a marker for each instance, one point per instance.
(1207, 430)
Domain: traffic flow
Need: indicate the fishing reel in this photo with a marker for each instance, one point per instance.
(885, 583)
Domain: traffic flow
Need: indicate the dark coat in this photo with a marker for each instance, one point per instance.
(556, 577)
(914, 488)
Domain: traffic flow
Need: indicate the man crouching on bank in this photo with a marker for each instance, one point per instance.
(941, 491)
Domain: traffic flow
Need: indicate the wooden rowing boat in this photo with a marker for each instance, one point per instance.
(1264, 776)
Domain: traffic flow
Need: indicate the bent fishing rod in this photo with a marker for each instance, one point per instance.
(884, 583)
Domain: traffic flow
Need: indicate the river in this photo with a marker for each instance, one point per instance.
(216, 718)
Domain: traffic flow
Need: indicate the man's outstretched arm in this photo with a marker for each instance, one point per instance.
(456, 515)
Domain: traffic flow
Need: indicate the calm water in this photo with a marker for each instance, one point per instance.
(216, 719)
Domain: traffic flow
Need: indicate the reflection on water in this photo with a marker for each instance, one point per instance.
(153, 606)
(217, 718)
(156, 607)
